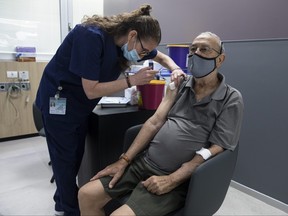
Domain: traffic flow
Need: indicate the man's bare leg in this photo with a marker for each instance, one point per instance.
(92, 198)
(124, 210)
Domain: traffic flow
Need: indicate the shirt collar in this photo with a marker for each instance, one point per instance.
(219, 93)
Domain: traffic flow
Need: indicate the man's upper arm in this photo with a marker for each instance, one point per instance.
(226, 131)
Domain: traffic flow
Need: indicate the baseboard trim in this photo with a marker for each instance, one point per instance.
(264, 198)
(18, 137)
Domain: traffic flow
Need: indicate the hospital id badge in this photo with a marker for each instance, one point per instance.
(57, 106)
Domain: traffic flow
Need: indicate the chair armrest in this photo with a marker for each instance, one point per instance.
(209, 184)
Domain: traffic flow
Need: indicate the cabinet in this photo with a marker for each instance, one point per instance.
(16, 117)
(104, 141)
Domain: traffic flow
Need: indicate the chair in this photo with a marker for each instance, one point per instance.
(37, 116)
(208, 184)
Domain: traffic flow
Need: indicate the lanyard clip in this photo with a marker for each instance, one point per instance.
(57, 95)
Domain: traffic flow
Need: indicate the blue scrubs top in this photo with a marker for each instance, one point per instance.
(87, 52)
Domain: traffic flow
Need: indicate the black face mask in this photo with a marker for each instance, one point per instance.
(200, 66)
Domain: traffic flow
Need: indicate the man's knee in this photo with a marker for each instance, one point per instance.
(84, 193)
(93, 193)
(123, 210)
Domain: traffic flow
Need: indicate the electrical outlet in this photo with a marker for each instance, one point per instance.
(12, 74)
(23, 75)
(3, 87)
(25, 86)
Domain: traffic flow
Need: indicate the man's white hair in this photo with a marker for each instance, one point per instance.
(219, 42)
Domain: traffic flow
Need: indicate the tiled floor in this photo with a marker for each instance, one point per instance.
(25, 187)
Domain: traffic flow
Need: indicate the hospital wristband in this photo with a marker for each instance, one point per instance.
(125, 157)
(205, 153)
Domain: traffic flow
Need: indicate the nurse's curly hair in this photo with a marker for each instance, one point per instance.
(119, 25)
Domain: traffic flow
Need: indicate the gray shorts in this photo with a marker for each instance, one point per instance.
(141, 201)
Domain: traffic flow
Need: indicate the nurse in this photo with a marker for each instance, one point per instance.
(86, 67)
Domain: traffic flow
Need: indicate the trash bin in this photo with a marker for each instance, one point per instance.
(179, 53)
(150, 95)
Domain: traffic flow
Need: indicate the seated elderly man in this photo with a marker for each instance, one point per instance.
(195, 121)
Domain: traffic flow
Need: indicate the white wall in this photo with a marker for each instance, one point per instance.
(37, 23)
(86, 7)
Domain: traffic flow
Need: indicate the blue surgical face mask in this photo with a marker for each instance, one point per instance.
(200, 66)
(131, 55)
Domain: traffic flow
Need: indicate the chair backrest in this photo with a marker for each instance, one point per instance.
(37, 116)
(208, 184)
(130, 135)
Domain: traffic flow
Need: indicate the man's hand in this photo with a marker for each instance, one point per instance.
(114, 170)
(159, 184)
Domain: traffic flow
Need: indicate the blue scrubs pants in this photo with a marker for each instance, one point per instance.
(66, 144)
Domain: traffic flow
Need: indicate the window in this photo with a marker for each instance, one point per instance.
(29, 23)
